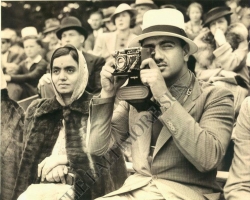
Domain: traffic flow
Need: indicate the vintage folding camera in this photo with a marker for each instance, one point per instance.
(127, 64)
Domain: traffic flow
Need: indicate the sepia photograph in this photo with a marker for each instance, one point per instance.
(125, 100)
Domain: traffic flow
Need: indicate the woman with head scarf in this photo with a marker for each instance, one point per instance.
(124, 20)
(55, 139)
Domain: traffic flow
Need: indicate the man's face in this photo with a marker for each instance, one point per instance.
(95, 21)
(122, 20)
(220, 23)
(5, 46)
(72, 37)
(65, 72)
(110, 26)
(31, 48)
(140, 12)
(169, 55)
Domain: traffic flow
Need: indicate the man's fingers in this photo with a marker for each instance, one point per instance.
(148, 62)
(61, 175)
(49, 177)
(65, 170)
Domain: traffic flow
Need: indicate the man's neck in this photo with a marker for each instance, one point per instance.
(171, 81)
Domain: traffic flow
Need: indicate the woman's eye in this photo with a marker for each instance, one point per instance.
(70, 70)
(55, 71)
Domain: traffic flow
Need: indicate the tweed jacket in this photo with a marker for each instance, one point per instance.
(106, 42)
(94, 176)
(190, 146)
(12, 117)
(238, 182)
(32, 75)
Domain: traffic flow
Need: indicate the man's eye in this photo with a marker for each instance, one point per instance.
(165, 46)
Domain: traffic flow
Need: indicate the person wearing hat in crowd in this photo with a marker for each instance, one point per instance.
(107, 43)
(12, 118)
(180, 138)
(50, 38)
(72, 32)
(95, 21)
(24, 83)
(223, 49)
(141, 7)
(109, 26)
(9, 59)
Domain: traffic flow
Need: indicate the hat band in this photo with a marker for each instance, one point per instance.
(165, 28)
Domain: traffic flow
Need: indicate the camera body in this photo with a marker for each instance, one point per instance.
(127, 64)
(127, 61)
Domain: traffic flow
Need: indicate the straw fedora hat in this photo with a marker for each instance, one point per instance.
(29, 31)
(121, 8)
(107, 13)
(149, 3)
(216, 13)
(71, 22)
(172, 25)
(51, 24)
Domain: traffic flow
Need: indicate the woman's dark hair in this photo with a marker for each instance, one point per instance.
(62, 51)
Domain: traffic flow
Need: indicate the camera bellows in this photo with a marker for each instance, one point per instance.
(133, 92)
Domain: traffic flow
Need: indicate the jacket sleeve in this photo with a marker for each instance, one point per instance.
(203, 73)
(232, 60)
(203, 143)
(36, 74)
(95, 77)
(238, 183)
(106, 128)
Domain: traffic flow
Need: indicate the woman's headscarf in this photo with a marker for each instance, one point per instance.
(82, 80)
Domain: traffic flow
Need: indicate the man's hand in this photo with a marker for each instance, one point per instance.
(57, 174)
(153, 78)
(46, 78)
(110, 84)
(7, 77)
(49, 163)
(11, 68)
(219, 37)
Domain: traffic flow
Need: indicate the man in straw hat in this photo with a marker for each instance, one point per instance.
(72, 32)
(178, 142)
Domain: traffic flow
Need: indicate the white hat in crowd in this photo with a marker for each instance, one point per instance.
(164, 22)
(149, 3)
(29, 31)
(121, 8)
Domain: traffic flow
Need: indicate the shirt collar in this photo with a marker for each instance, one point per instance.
(37, 59)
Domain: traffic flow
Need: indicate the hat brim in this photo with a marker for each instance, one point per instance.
(132, 11)
(51, 29)
(216, 16)
(192, 46)
(153, 6)
(78, 28)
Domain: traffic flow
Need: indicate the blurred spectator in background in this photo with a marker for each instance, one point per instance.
(244, 18)
(235, 7)
(194, 26)
(223, 49)
(107, 43)
(50, 38)
(95, 21)
(109, 26)
(24, 83)
(141, 7)
(12, 117)
(72, 32)
(238, 182)
(9, 59)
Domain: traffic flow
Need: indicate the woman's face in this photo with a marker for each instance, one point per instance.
(122, 21)
(65, 73)
(195, 14)
(220, 23)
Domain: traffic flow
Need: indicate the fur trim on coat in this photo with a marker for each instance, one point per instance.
(94, 176)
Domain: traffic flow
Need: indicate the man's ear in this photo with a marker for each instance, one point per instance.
(82, 39)
(89, 21)
(186, 52)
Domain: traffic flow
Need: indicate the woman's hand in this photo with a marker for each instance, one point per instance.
(57, 174)
(49, 163)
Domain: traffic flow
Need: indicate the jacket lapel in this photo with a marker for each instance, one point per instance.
(188, 105)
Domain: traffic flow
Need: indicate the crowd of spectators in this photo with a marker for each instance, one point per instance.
(222, 36)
